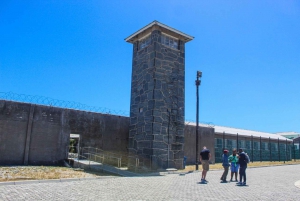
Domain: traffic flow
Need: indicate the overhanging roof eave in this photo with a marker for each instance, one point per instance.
(186, 36)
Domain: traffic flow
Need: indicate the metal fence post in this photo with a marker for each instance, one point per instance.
(294, 150)
(260, 148)
(270, 149)
(252, 159)
(78, 155)
(223, 141)
(96, 154)
(278, 150)
(299, 148)
(89, 154)
(285, 150)
(237, 142)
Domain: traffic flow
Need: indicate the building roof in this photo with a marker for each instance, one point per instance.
(289, 134)
(133, 37)
(243, 132)
(297, 139)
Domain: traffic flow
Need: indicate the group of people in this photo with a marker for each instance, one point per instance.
(236, 161)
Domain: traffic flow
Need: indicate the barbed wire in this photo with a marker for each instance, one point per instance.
(208, 124)
(42, 100)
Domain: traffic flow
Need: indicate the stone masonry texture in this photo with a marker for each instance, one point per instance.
(157, 104)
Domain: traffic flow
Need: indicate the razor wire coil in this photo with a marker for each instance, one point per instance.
(42, 100)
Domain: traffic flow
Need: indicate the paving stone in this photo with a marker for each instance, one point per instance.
(267, 183)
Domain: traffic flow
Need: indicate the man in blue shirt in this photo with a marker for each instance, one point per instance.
(225, 164)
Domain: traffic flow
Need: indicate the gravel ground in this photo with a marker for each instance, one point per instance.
(15, 173)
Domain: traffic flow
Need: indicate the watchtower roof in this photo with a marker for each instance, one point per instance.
(155, 25)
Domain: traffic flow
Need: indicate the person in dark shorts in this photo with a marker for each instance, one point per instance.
(243, 160)
(204, 159)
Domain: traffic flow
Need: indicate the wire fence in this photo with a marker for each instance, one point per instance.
(201, 123)
(258, 149)
(42, 100)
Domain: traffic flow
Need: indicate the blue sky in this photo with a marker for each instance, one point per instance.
(248, 51)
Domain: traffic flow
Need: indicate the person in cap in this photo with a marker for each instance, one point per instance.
(225, 164)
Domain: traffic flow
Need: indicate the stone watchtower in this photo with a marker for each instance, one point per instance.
(156, 135)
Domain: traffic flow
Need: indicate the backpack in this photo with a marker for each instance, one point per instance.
(247, 158)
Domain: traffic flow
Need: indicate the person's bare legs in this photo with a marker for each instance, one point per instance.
(204, 174)
(232, 175)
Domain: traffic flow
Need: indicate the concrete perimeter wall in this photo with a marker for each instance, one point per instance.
(206, 138)
(36, 134)
(39, 135)
(103, 131)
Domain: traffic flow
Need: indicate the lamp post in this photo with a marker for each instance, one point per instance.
(198, 82)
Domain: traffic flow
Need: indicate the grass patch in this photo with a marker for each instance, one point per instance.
(15, 173)
(218, 166)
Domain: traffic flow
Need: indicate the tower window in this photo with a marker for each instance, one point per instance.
(144, 42)
(169, 41)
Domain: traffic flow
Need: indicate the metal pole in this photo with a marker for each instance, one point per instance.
(285, 150)
(299, 148)
(223, 141)
(252, 159)
(89, 157)
(198, 82)
(260, 148)
(237, 142)
(270, 148)
(294, 150)
(278, 150)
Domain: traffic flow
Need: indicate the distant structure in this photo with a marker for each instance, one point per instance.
(289, 135)
(156, 134)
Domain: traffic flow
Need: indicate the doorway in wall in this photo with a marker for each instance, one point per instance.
(74, 145)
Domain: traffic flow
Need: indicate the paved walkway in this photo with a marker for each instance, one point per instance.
(107, 168)
(267, 183)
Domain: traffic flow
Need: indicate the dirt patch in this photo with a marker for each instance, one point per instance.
(16, 173)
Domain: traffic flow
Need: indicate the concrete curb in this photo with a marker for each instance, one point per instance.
(197, 171)
(53, 180)
(297, 184)
(248, 167)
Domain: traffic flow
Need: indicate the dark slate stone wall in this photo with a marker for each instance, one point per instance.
(157, 104)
